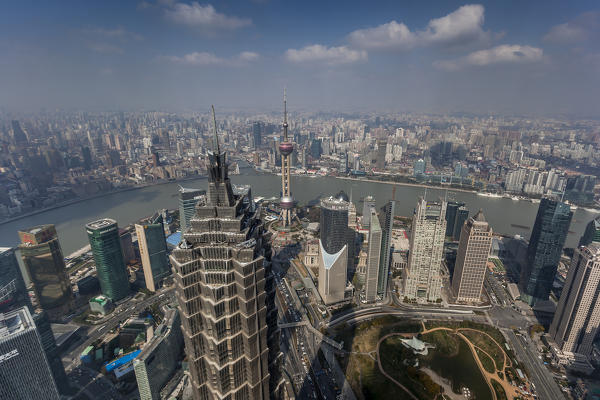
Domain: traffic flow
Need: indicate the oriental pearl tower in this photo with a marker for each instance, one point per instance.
(286, 148)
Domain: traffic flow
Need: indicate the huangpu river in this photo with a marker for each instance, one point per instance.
(505, 215)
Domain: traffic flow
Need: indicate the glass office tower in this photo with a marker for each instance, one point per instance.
(45, 266)
(591, 233)
(188, 198)
(545, 248)
(106, 247)
(12, 285)
(25, 370)
(153, 251)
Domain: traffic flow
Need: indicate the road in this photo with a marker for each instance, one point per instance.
(545, 385)
(127, 310)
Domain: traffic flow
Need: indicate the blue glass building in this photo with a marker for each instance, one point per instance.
(545, 248)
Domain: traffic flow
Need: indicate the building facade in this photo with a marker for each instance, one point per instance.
(158, 360)
(545, 249)
(153, 251)
(333, 273)
(471, 259)
(591, 233)
(226, 293)
(45, 266)
(368, 203)
(462, 214)
(577, 316)
(387, 223)
(373, 257)
(334, 249)
(12, 284)
(188, 198)
(422, 277)
(110, 266)
(25, 370)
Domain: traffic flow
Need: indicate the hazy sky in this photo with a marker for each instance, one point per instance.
(526, 57)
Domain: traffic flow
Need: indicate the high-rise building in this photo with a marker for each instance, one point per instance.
(126, 246)
(545, 248)
(368, 203)
(12, 286)
(334, 224)
(19, 135)
(188, 198)
(110, 267)
(226, 293)
(471, 259)
(381, 150)
(591, 233)
(419, 168)
(451, 210)
(286, 148)
(25, 370)
(387, 223)
(333, 273)
(153, 251)
(49, 346)
(43, 260)
(257, 134)
(373, 257)
(577, 316)
(334, 261)
(462, 214)
(14, 296)
(422, 277)
(160, 357)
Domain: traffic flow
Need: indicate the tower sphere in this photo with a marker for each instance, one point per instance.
(286, 148)
(286, 202)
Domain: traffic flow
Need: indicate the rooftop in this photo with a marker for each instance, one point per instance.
(189, 190)
(15, 321)
(101, 223)
(102, 300)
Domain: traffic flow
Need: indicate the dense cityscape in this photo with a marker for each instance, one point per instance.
(159, 248)
(50, 160)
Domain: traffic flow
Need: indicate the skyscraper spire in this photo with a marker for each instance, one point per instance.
(216, 137)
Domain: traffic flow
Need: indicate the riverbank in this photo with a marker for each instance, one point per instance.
(96, 196)
(421, 185)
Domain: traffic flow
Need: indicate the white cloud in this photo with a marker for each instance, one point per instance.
(503, 54)
(392, 34)
(463, 26)
(248, 56)
(586, 25)
(114, 34)
(204, 17)
(320, 54)
(203, 59)
(565, 33)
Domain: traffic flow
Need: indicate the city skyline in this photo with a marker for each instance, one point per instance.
(508, 58)
(424, 223)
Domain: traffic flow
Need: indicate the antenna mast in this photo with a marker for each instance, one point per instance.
(285, 123)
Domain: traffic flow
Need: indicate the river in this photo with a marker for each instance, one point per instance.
(129, 206)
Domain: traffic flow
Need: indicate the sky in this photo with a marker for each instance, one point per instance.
(502, 57)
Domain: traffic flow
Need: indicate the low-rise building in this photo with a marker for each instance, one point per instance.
(101, 304)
